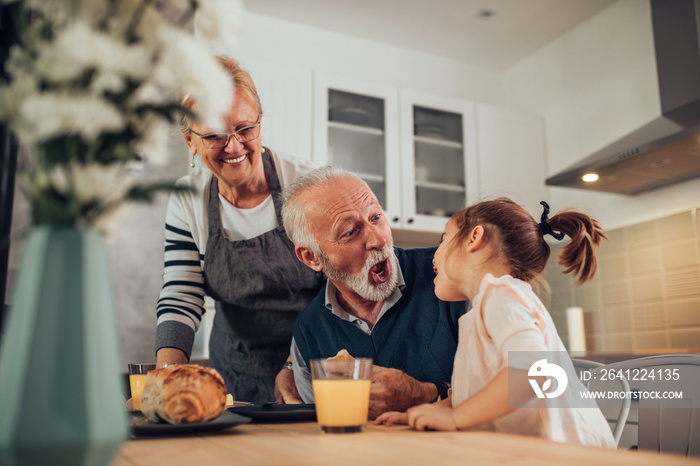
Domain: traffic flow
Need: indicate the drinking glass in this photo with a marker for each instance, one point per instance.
(341, 390)
(137, 380)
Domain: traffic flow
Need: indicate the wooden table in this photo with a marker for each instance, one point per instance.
(304, 444)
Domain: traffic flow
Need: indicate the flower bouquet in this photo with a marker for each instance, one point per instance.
(94, 86)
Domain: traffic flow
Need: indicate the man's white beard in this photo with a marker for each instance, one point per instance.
(360, 282)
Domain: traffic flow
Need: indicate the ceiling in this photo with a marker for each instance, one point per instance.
(456, 29)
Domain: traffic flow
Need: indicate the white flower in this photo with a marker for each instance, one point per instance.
(79, 48)
(46, 115)
(102, 184)
(202, 78)
(90, 183)
(12, 96)
(59, 179)
(106, 81)
(218, 24)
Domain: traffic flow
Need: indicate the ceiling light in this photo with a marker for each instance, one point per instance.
(590, 177)
(485, 14)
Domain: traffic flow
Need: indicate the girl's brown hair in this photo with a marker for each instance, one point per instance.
(520, 238)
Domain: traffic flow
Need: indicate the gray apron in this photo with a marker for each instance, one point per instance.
(260, 287)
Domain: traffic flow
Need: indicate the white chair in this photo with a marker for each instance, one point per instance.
(666, 425)
(615, 411)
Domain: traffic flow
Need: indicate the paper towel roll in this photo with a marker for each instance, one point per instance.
(577, 331)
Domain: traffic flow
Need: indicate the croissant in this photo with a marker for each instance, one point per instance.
(183, 393)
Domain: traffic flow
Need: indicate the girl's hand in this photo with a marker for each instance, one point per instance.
(390, 418)
(433, 416)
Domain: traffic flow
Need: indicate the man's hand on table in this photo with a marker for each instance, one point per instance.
(285, 388)
(394, 390)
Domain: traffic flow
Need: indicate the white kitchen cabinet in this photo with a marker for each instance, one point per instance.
(418, 154)
(427, 156)
(356, 126)
(439, 170)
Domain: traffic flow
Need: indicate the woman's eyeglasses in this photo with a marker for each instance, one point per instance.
(219, 140)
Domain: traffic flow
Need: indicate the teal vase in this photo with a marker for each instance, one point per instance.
(60, 360)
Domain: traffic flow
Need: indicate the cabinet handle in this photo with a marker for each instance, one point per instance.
(410, 220)
(395, 219)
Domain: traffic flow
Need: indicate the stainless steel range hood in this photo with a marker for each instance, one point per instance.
(666, 150)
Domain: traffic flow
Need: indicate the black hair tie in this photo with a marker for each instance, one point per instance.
(545, 227)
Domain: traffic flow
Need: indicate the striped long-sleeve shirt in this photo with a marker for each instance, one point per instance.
(181, 304)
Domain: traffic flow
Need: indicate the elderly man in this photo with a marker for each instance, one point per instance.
(378, 301)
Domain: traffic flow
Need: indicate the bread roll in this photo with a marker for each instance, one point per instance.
(183, 393)
(342, 354)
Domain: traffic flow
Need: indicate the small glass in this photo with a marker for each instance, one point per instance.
(137, 380)
(341, 391)
(163, 365)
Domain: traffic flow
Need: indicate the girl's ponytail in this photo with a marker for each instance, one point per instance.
(579, 256)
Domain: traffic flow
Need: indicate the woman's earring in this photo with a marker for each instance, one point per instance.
(193, 159)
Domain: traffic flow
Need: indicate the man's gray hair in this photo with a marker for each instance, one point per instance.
(293, 214)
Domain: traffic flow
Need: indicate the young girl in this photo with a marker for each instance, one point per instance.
(490, 253)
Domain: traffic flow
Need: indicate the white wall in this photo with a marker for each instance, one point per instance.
(593, 85)
(511, 156)
(286, 43)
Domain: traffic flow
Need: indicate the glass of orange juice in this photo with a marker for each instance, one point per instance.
(341, 391)
(137, 380)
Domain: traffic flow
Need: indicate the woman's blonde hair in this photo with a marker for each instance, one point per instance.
(241, 81)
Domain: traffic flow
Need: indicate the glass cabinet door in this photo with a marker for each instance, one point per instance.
(356, 137)
(356, 127)
(440, 144)
(439, 161)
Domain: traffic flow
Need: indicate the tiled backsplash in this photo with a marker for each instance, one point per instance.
(646, 294)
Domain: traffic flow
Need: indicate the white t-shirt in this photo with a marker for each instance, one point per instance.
(239, 224)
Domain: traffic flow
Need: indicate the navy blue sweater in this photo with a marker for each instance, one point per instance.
(418, 335)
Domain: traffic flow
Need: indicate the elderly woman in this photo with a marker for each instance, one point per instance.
(226, 239)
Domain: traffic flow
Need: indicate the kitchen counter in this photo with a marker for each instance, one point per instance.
(304, 444)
